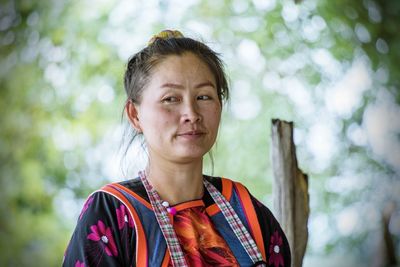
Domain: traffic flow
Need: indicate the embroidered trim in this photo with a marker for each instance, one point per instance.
(175, 250)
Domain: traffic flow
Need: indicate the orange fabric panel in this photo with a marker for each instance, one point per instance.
(226, 188)
(226, 192)
(166, 260)
(188, 204)
(252, 217)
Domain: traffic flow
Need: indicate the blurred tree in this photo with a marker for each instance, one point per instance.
(47, 121)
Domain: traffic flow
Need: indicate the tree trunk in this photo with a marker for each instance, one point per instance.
(290, 190)
(385, 251)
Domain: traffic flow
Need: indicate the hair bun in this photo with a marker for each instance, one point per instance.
(165, 34)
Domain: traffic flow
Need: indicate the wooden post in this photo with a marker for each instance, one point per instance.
(290, 190)
(385, 251)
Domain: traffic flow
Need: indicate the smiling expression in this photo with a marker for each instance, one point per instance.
(179, 111)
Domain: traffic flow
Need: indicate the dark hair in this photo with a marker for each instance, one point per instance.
(138, 70)
(139, 65)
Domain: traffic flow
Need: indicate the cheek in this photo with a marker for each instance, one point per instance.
(164, 117)
(216, 114)
(217, 111)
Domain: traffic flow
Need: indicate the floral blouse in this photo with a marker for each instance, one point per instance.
(105, 235)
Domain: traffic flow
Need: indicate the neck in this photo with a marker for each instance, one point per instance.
(177, 183)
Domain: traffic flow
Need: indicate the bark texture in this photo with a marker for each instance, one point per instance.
(290, 190)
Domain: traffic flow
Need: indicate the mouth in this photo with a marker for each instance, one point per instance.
(191, 133)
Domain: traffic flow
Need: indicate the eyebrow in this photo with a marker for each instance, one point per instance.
(179, 86)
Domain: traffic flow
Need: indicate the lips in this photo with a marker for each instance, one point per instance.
(192, 133)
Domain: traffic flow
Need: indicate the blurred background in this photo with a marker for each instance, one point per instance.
(331, 67)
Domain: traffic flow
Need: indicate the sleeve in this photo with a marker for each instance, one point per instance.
(277, 248)
(104, 234)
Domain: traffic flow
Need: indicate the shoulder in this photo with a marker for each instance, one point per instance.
(98, 202)
(229, 186)
(103, 206)
(103, 226)
(133, 188)
(220, 182)
(214, 180)
(276, 246)
(134, 184)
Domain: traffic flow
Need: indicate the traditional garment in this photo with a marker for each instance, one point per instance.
(107, 234)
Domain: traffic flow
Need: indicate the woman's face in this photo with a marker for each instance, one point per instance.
(179, 112)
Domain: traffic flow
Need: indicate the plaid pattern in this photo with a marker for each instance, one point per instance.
(175, 250)
(236, 224)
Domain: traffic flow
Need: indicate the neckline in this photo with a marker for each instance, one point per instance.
(163, 219)
(179, 204)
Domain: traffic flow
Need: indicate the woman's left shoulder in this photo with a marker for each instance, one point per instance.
(276, 245)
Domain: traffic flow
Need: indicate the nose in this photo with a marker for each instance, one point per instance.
(191, 112)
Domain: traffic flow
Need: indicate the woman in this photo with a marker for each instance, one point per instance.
(172, 214)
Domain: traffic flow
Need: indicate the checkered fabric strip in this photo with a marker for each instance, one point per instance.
(236, 224)
(175, 250)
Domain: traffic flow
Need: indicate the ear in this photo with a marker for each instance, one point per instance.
(132, 113)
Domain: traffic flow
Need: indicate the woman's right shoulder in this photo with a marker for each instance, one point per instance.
(133, 187)
(104, 225)
(101, 201)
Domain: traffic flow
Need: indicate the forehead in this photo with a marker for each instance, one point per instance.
(182, 68)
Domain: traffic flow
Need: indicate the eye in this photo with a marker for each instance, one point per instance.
(204, 97)
(170, 99)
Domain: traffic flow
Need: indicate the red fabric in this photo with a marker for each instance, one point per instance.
(200, 242)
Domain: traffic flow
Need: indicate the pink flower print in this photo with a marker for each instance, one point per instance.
(86, 206)
(275, 246)
(101, 233)
(79, 264)
(124, 217)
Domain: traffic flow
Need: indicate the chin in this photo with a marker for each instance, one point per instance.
(190, 156)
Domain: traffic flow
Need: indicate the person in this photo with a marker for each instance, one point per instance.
(172, 214)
